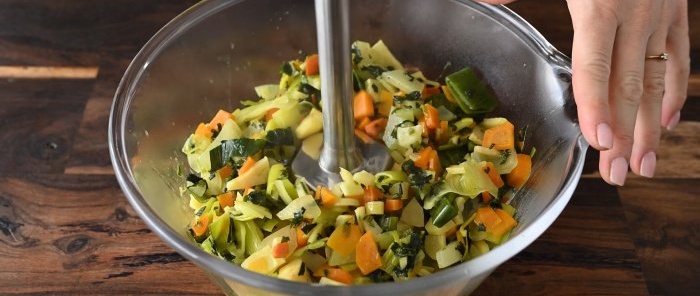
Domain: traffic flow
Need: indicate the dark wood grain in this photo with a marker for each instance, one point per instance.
(587, 244)
(76, 234)
(34, 139)
(664, 216)
(66, 228)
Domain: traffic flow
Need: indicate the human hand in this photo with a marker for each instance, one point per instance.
(623, 96)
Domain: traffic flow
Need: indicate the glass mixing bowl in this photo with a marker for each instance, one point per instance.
(212, 55)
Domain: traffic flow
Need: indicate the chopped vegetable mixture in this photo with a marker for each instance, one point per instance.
(445, 201)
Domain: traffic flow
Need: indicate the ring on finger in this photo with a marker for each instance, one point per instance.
(662, 57)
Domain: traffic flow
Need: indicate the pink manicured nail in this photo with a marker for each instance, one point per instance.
(648, 165)
(673, 122)
(605, 137)
(618, 171)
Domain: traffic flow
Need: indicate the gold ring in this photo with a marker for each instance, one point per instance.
(662, 57)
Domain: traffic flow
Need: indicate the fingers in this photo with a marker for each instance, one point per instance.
(627, 79)
(594, 36)
(678, 67)
(648, 128)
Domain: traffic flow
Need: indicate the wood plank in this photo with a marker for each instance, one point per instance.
(44, 72)
(91, 151)
(83, 237)
(664, 219)
(694, 85)
(585, 252)
(38, 121)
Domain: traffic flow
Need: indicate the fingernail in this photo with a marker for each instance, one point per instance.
(648, 165)
(673, 122)
(618, 171)
(605, 137)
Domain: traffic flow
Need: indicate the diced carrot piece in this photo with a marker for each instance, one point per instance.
(249, 163)
(486, 197)
(225, 199)
(219, 119)
(302, 238)
(328, 199)
(424, 156)
(375, 129)
(507, 223)
(311, 65)
(203, 130)
(432, 117)
(426, 130)
(393, 204)
(434, 163)
(270, 113)
(367, 255)
(363, 105)
(200, 225)
(344, 239)
(363, 136)
(444, 132)
(280, 250)
(339, 275)
(429, 91)
(487, 216)
(428, 159)
(500, 137)
(225, 171)
(386, 101)
(519, 175)
(372, 193)
(490, 170)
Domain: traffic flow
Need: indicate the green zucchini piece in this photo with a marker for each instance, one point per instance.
(472, 95)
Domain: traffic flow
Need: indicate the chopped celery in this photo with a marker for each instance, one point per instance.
(363, 177)
(403, 81)
(413, 214)
(267, 91)
(277, 171)
(219, 231)
(375, 207)
(258, 110)
(306, 204)
(448, 256)
(433, 244)
(244, 211)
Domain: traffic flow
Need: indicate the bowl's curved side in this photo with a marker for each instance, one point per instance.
(192, 67)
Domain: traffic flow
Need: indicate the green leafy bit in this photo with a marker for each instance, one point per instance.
(416, 176)
(373, 70)
(504, 154)
(197, 187)
(298, 217)
(280, 136)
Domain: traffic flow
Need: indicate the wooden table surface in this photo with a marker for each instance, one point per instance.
(66, 228)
